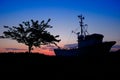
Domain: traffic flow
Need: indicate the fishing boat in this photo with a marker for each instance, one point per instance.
(88, 44)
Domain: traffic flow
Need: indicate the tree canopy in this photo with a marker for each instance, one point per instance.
(31, 33)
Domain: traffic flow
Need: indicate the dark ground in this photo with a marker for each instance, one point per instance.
(100, 66)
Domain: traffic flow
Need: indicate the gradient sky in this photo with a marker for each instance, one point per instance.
(102, 16)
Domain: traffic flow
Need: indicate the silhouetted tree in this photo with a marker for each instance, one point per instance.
(31, 34)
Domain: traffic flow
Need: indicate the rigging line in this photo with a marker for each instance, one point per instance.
(76, 29)
(85, 29)
(68, 41)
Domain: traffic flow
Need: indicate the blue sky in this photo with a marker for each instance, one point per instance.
(102, 16)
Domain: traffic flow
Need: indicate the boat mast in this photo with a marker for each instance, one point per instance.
(81, 24)
(82, 33)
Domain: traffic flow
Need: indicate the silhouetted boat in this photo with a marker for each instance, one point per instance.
(88, 44)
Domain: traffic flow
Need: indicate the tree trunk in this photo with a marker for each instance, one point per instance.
(29, 49)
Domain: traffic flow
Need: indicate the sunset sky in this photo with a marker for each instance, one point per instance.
(102, 16)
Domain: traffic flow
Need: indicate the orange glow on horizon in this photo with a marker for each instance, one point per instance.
(38, 50)
(45, 52)
(13, 46)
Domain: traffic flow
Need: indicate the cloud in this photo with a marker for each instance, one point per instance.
(71, 45)
(14, 49)
(116, 46)
(44, 48)
(48, 47)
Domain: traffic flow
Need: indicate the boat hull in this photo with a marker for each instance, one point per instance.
(97, 49)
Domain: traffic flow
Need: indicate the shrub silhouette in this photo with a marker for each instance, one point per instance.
(31, 34)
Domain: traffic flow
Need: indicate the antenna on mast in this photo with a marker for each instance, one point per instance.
(82, 25)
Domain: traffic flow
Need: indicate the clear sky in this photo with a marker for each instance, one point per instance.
(102, 16)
